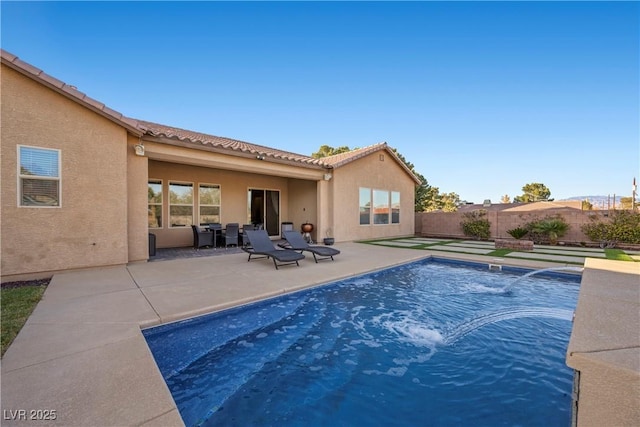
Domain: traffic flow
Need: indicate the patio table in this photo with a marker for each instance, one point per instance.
(215, 231)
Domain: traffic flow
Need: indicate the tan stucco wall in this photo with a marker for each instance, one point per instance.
(605, 344)
(303, 205)
(90, 227)
(233, 185)
(137, 197)
(371, 172)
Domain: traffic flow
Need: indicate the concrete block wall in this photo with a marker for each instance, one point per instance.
(447, 224)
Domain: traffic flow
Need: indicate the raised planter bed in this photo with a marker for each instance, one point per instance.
(517, 245)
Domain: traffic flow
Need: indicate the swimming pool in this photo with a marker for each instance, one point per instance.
(427, 343)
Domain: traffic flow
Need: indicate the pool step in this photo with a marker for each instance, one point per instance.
(201, 389)
(177, 345)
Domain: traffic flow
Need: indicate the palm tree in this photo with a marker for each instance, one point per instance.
(553, 228)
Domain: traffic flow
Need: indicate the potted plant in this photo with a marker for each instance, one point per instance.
(329, 240)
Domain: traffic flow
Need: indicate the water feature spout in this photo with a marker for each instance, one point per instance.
(542, 270)
(508, 314)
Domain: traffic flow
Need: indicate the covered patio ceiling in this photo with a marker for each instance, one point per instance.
(188, 153)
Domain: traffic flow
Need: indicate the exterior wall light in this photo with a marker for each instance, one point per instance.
(139, 149)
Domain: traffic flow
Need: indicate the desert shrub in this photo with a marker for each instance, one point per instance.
(548, 229)
(476, 225)
(622, 226)
(518, 232)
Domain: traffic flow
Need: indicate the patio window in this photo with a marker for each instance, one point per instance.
(38, 177)
(381, 208)
(395, 207)
(365, 206)
(155, 204)
(209, 203)
(180, 204)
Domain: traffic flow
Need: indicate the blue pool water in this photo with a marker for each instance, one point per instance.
(429, 343)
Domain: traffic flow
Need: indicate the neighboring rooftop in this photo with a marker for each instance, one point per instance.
(522, 207)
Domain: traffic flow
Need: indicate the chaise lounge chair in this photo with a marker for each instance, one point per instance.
(297, 243)
(260, 244)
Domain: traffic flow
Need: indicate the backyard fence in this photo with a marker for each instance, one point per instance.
(447, 224)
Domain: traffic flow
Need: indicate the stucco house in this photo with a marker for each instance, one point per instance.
(83, 185)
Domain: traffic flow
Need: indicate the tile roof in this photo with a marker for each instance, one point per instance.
(183, 135)
(71, 92)
(142, 127)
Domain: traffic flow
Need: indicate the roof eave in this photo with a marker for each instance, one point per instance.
(199, 145)
(375, 149)
(69, 92)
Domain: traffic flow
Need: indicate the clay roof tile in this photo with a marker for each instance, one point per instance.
(67, 90)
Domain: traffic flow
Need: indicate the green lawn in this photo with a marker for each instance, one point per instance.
(617, 254)
(17, 305)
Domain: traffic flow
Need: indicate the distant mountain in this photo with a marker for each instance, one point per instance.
(599, 201)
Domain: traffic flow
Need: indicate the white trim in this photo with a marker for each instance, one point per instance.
(370, 205)
(169, 204)
(162, 216)
(19, 177)
(373, 207)
(198, 198)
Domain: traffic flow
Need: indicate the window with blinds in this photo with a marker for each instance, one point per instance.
(38, 177)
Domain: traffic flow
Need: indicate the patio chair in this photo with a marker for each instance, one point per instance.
(201, 237)
(231, 234)
(296, 242)
(261, 245)
(243, 236)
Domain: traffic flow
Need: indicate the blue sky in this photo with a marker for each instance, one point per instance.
(482, 97)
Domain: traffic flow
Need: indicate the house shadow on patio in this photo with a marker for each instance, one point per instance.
(165, 254)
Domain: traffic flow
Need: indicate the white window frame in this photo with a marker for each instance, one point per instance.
(200, 204)
(360, 206)
(20, 177)
(157, 181)
(170, 204)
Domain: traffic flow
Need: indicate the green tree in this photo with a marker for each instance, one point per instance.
(325, 151)
(426, 196)
(533, 192)
(450, 202)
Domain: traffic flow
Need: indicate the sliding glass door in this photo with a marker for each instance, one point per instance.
(263, 207)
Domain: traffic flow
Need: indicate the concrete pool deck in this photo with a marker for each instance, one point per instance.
(81, 357)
